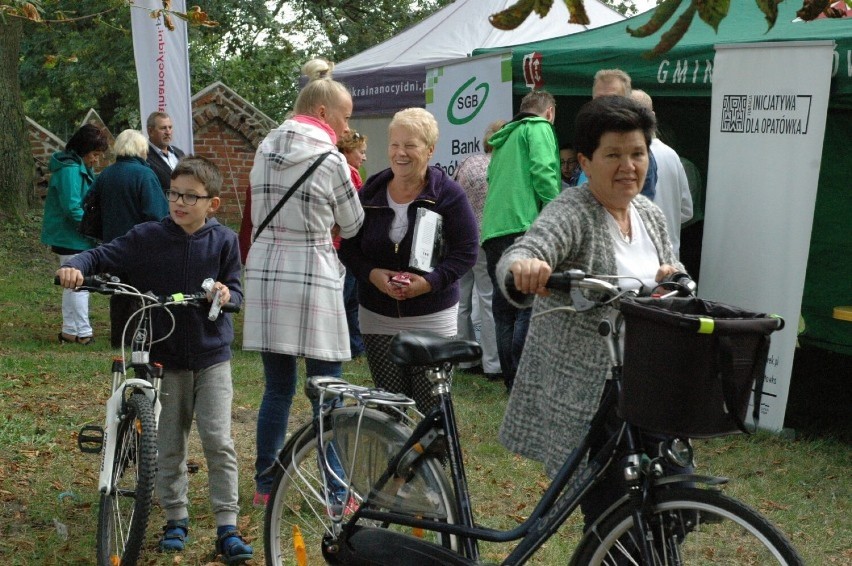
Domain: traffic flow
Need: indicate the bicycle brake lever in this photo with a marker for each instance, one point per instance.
(580, 302)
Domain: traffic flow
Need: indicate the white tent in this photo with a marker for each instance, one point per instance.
(392, 75)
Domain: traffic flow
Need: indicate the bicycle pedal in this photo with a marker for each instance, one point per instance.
(91, 439)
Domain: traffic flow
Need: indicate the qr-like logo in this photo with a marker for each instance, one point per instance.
(734, 113)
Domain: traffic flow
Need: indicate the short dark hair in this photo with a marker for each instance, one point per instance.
(610, 114)
(87, 139)
(537, 102)
(202, 170)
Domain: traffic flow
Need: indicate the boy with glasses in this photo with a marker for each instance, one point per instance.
(176, 255)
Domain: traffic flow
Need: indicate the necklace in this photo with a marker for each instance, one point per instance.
(624, 233)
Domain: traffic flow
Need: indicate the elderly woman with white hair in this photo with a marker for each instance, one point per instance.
(130, 194)
(393, 294)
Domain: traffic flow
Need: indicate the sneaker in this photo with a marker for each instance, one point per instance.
(260, 499)
(231, 546)
(175, 534)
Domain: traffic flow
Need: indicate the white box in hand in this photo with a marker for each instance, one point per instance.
(426, 247)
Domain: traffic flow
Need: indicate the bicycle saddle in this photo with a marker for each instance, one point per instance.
(421, 348)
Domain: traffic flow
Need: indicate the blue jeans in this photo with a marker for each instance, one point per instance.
(510, 323)
(350, 303)
(281, 374)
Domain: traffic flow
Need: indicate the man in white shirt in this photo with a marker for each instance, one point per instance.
(162, 157)
(672, 189)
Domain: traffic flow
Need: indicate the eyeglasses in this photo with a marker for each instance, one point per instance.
(189, 199)
(568, 162)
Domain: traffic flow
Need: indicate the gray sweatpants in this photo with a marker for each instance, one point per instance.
(207, 394)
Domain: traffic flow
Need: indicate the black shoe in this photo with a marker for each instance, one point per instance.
(494, 376)
(473, 370)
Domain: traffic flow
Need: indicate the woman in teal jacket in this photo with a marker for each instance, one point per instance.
(70, 180)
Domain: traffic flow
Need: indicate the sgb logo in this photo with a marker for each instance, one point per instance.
(467, 102)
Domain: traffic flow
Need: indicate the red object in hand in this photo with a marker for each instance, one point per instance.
(401, 280)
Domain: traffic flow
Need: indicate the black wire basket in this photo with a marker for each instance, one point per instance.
(690, 365)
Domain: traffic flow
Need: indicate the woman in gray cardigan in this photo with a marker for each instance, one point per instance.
(603, 227)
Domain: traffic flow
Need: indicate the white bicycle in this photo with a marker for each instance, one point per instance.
(127, 441)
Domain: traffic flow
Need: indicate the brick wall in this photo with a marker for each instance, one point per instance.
(226, 129)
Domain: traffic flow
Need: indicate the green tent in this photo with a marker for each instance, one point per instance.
(680, 83)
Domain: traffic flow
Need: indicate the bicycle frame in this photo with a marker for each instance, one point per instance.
(115, 411)
(559, 501)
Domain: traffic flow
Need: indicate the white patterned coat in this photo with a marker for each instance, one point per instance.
(565, 362)
(293, 279)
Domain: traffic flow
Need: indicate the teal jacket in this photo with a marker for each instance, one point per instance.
(70, 180)
(523, 176)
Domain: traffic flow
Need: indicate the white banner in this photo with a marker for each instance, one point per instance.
(162, 68)
(465, 96)
(766, 134)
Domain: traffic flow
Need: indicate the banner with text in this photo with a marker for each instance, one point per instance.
(768, 115)
(465, 96)
(162, 68)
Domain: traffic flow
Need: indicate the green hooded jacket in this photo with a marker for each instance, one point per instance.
(523, 176)
(70, 180)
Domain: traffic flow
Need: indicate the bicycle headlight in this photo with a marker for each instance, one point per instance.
(677, 451)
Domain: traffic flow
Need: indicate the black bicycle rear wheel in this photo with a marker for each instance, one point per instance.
(124, 512)
(296, 514)
(688, 526)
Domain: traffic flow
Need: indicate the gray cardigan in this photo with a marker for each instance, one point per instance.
(565, 361)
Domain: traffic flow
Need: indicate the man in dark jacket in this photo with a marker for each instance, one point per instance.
(162, 157)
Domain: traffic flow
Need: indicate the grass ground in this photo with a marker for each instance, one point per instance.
(48, 489)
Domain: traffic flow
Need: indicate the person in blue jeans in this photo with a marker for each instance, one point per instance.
(293, 278)
(523, 176)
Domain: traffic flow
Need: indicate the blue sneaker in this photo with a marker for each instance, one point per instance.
(175, 535)
(231, 546)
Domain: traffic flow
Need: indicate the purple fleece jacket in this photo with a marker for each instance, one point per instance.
(373, 248)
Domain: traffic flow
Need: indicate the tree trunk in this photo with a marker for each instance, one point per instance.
(16, 161)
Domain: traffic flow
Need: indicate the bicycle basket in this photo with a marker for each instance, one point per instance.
(690, 365)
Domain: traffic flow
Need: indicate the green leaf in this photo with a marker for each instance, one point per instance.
(675, 33)
(513, 16)
(663, 13)
(714, 11)
(769, 9)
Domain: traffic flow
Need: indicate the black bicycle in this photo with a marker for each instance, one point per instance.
(128, 440)
(366, 483)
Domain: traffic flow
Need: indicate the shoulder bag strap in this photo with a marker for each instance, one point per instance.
(290, 192)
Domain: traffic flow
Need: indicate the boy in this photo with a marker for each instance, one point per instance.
(176, 255)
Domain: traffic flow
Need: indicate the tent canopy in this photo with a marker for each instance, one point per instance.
(680, 82)
(392, 75)
(568, 63)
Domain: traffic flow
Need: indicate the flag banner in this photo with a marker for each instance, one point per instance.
(465, 96)
(767, 124)
(162, 68)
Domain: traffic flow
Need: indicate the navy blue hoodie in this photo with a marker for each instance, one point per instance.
(162, 258)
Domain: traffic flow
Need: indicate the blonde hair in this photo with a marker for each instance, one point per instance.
(318, 68)
(351, 141)
(492, 128)
(320, 92)
(612, 75)
(420, 122)
(131, 143)
(642, 98)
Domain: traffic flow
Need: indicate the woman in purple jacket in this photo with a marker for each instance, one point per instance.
(393, 295)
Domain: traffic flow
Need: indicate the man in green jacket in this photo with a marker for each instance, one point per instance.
(523, 176)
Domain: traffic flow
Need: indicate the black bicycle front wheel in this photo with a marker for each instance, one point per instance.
(688, 526)
(297, 514)
(123, 514)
